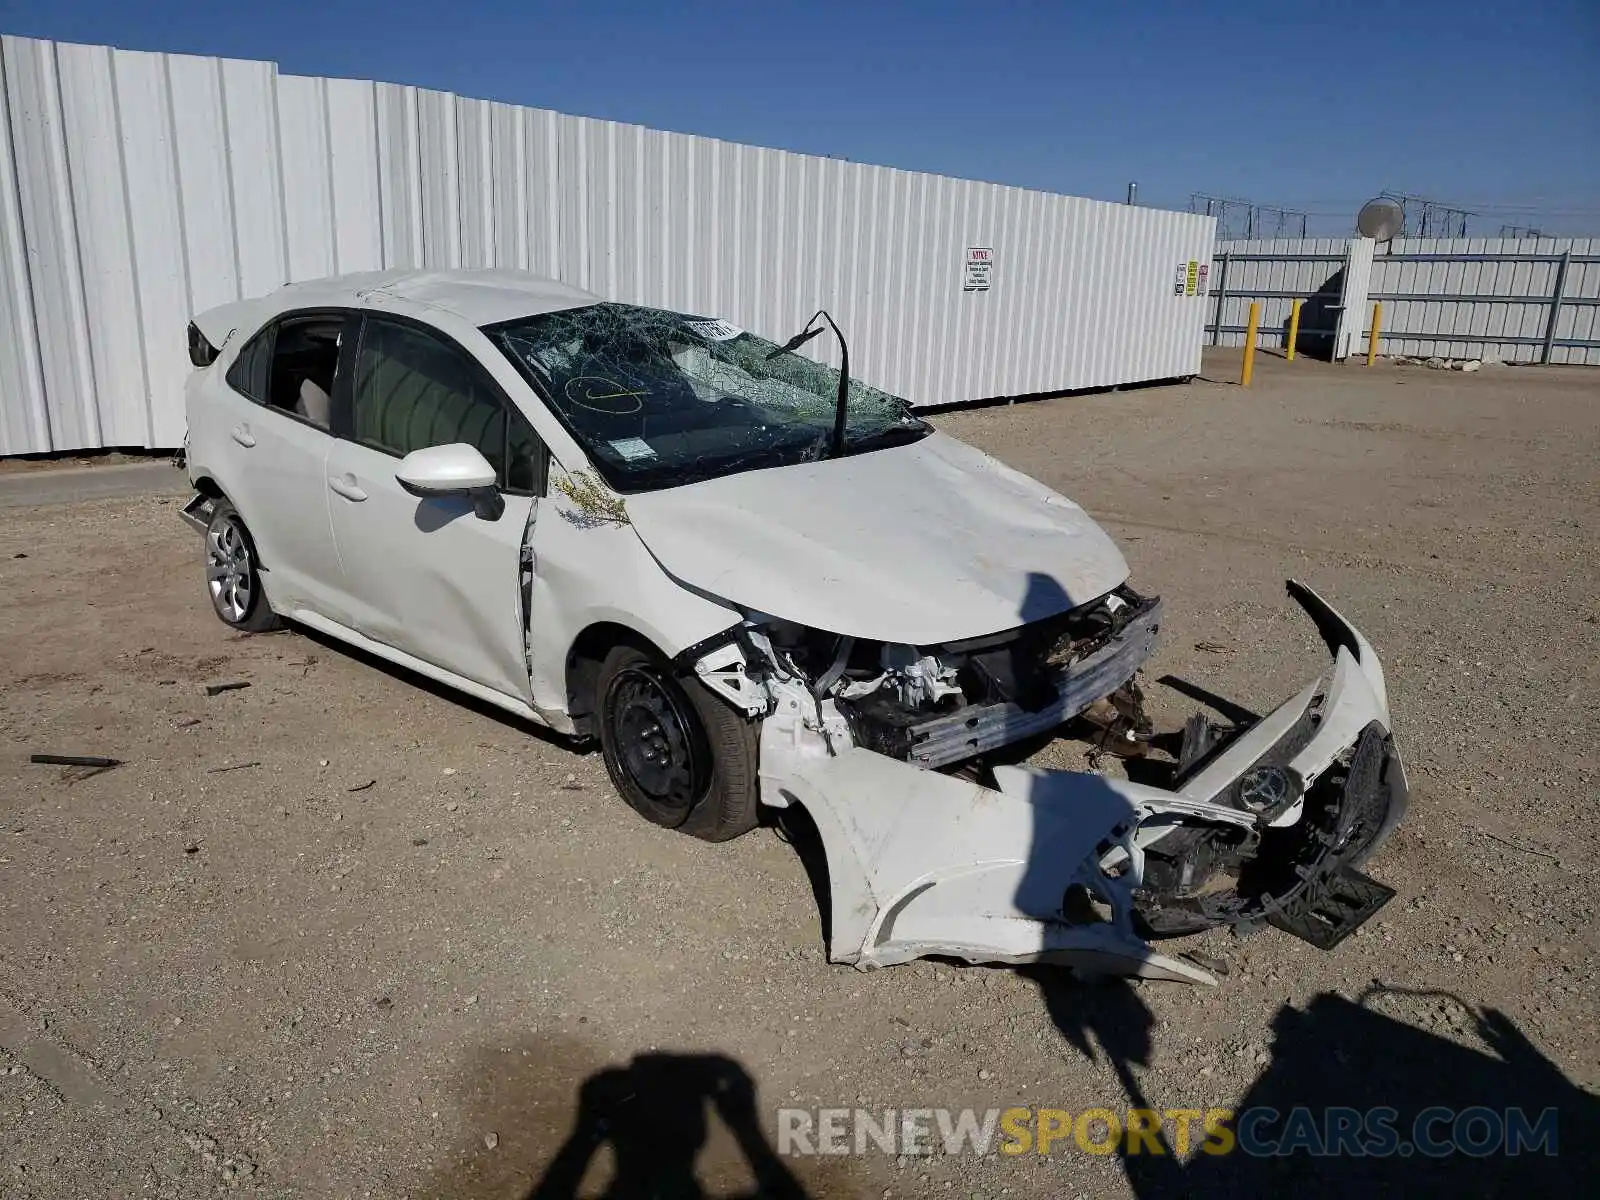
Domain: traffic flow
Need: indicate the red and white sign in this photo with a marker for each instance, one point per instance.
(980, 261)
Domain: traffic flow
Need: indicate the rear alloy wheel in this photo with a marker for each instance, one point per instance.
(233, 573)
(680, 756)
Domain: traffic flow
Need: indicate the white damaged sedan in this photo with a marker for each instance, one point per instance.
(756, 582)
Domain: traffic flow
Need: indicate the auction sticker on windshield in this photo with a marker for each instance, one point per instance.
(716, 331)
(633, 449)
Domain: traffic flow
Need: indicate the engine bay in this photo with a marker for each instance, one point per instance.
(939, 706)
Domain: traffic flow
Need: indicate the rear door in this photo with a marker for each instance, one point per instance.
(277, 448)
(429, 576)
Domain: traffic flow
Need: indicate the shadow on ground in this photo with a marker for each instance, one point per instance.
(655, 1114)
(1347, 1054)
(443, 691)
(663, 1125)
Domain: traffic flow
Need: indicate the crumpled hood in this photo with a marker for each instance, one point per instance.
(927, 543)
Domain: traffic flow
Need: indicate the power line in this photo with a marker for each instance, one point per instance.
(1429, 218)
(1424, 216)
(1247, 219)
(1510, 212)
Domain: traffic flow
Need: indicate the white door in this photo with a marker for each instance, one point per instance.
(276, 459)
(430, 577)
(1355, 313)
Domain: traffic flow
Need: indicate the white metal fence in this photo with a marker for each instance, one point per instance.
(136, 189)
(1519, 300)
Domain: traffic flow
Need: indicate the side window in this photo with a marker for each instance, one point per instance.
(305, 358)
(248, 375)
(291, 366)
(413, 390)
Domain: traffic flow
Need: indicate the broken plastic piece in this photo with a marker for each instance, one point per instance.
(1072, 868)
(1334, 909)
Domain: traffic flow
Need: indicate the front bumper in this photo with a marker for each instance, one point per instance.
(1066, 866)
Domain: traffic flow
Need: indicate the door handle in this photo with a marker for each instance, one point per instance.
(347, 487)
(242, 435)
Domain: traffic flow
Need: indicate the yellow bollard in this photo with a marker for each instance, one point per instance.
(1294, 330)
(1372, 337)
(1250, 346)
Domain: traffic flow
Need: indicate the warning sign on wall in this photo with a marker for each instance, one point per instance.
(1192, 277)
(980, 261)
(1181, 280)
(1205, 272)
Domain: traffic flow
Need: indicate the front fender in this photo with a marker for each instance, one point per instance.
(587, 572)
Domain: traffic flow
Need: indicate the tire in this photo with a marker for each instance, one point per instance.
(233, 573)
(679, 756)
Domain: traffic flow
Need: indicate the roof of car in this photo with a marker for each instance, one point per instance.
(480, 297)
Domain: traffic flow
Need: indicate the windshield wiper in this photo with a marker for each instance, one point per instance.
(842, 401)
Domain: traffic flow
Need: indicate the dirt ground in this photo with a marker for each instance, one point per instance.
(339, 934)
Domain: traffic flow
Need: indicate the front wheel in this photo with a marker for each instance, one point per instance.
(680, 756)
(233, 573)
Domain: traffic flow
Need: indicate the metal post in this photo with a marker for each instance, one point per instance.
(1250, 346)
(1133, 192)
(1222, 295)
(1294, 330)
(1556, 297)
(1372, 337)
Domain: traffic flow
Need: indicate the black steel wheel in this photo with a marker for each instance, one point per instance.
(659, 748)
(679, 756)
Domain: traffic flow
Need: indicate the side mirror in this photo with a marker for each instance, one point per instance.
(454, 470)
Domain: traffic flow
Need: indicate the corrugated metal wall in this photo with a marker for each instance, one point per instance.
(1444, 297)
(1276, 272)
(1498, 307)
(140, 188)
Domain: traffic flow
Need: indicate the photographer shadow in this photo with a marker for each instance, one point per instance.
(655, 1113)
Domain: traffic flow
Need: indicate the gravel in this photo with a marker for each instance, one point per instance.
(419, 945)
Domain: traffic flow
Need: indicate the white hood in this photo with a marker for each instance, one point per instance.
(927, 543)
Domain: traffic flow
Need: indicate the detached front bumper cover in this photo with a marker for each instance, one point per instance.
(1074, 868)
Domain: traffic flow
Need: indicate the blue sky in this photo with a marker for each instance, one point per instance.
(1490, 105)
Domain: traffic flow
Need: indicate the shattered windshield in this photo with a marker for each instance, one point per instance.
(659, 399)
